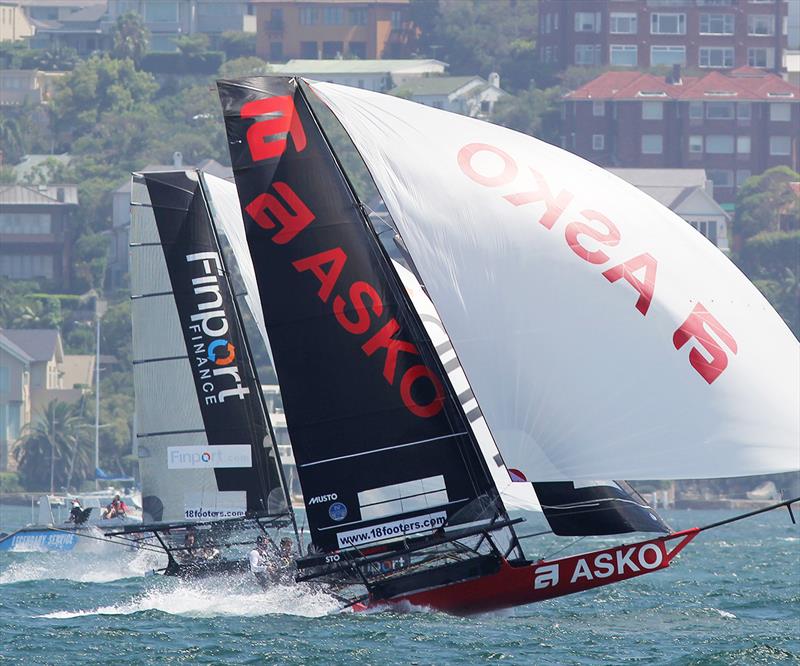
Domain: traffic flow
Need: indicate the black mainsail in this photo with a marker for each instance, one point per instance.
(382, 447)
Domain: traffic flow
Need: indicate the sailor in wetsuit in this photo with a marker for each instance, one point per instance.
(261, 563)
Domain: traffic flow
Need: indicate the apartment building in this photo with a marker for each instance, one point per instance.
(308, 29)
(168, 19)
(708, 34)
(14, 22)
(734, 126)
(35, 231)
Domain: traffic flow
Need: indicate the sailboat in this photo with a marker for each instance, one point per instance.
(211, 477)
(517, 316)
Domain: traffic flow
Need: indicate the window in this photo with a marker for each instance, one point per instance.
(308, 50)
(309, 16)
(652, 110)
(701, 226)
(719, 110)
(743, 145)
(161, 12)
(598, 108)
(719, 144)
(695, 143)
(623, 55)
(761, 57)
(741, 176)
(780, 111)
(587, 54)
(397, 19)
(25, 223)
(696, 110)
(668, 24)
(333, 15)
(667, 55)
(26, 265)
(4, 383)
(622, 24)
(716, 24)
(587, 21)
(721, 177)
(275, 19)
(743, 110)
(332, 49)
(780, 145)
(276, 50)
(758, 24)
(652, 144)
(358, 16)
(598, 141)
(358, 50)
(716, 56)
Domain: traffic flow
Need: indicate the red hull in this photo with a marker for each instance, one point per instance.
(538, 581)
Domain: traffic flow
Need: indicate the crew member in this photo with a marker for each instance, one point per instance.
(117, 508)
(260, 564)
(285, 573)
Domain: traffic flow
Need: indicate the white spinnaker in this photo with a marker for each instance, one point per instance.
(574, 382)
(168, 417)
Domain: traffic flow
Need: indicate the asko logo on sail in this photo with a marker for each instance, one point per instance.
(282, 211)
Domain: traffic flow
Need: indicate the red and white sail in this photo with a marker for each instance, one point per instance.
(602, 336)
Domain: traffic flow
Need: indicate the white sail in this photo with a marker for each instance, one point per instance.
(602, 336)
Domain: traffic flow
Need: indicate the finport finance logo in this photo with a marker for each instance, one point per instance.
(211, 456)
(221, 352)
(212, 354)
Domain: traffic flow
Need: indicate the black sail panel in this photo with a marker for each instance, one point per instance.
(597, 508)
(227, 389)
(382, 449)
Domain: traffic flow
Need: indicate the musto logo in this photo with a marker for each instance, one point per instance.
(213, 356)
(221, 352)
(212, 456)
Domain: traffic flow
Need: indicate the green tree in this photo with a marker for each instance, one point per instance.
(12, 142)
(763, 200)
(246, 66)
(192, 45)
(99, 86)
(57, 437)
(91, 253)
(130, 38)
(478, 37)
(51, 170)
(533, 112)
(238, 44)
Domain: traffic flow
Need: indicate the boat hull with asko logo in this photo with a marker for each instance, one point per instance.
(505, 584)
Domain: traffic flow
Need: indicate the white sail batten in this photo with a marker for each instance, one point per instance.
(602, 336)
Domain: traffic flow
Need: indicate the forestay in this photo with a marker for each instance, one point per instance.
(602, 336)
(203, 457)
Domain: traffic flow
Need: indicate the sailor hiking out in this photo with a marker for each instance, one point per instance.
(261, 561)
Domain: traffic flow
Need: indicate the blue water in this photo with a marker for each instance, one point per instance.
(732, 597)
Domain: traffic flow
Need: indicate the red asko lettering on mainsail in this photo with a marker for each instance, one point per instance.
(283, 208)
(267, 138)
(699, 325)
(645, 264)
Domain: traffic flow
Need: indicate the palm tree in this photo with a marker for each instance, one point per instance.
(130, 38)
(54, 448)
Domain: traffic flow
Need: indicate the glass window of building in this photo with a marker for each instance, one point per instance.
(719, 144)
(652, 110)
(667, 24)
(719, 110)
(652, 144)
(598, 108)
(780, 145)
(587, 54)
(761, 24)
(717, 24)
(696, 143)
(780, 111)
(667, 55)
(761, 57)
(743, 145)
(358, 16)
(598, 141)
(622, 24)
(623, 55)
(715, 56)
(587, 21)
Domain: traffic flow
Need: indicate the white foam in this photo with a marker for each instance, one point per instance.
(93, 567)
(217, 597)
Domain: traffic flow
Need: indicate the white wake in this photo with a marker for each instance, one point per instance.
(216, 597)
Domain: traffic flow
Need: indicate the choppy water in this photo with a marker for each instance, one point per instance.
(732, 597)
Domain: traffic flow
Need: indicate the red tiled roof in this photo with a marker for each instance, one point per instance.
(745, 83)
